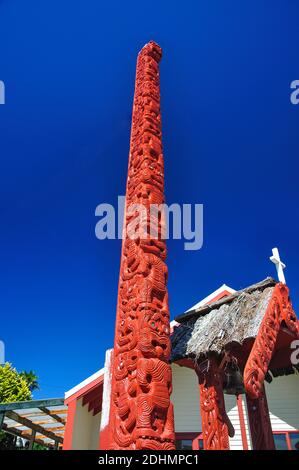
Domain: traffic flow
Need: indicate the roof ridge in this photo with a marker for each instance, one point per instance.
(203, 309)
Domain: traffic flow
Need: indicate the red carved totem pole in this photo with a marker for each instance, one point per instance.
(141, 414)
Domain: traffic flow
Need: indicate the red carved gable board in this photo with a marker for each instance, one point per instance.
(279, 313)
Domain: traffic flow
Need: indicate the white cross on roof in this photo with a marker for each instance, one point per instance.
(280, 266)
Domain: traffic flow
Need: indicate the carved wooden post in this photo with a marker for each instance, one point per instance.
(216, 426)
(141, 414)
(259, 422)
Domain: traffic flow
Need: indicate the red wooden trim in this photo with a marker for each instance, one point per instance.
(99, 380)
(69, 426)
(242, 422)
(289, 443)
(96, 403)
(222, 294)
(94, 394)
(288, 440)
(96, 410)
(186, 435)
(279, 313)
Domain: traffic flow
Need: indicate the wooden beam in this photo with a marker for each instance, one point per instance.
(41, 436)
(13, 425)
(29, 424)
(16, 432)
(94, 394)
(58, 412)
(49, 412)
(94, 404)
(17, 425)
(32, 439)
(58, 428)
(53, 415)
(96, 410)
(22, 405)
(2, 414)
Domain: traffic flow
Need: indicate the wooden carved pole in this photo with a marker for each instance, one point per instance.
(216, 426)
(141, 414)
(259, 422)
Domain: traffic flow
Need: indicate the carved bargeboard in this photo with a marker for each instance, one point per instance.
(279, 310)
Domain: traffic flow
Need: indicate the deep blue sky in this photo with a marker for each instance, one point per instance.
(230, 142)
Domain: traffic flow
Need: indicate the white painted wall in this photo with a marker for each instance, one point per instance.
(185, 398)
(235, 443)
(95, 432)
(86, 429)
(283, 402)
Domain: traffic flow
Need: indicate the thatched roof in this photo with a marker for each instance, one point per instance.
(233, 319)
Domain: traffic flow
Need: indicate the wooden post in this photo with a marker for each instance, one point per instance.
(32, 439)
(2, 415)
(259, 422)
(69, 425)
(242, 422)
(216, 426)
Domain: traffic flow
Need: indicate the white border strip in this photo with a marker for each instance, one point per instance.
(107, 389)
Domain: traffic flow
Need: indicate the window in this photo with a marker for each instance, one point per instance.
(188, 441)
(183, 444)
(286, 440)
(294, 438)
(280, 442)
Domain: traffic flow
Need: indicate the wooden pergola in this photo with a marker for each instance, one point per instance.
(40, 421)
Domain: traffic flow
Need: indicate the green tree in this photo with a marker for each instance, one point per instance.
(31, 379)
(13, 387)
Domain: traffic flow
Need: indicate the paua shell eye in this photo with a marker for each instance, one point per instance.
(153, 324)
(166, 329)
